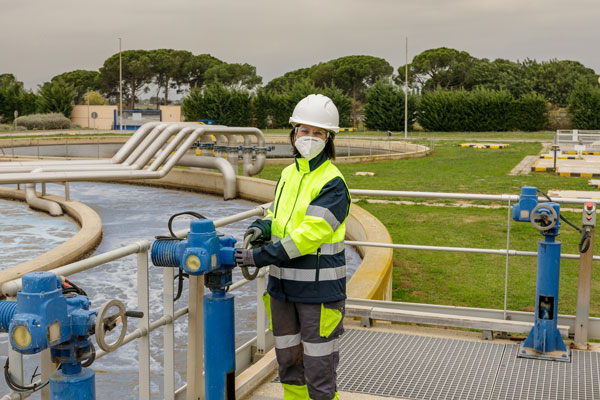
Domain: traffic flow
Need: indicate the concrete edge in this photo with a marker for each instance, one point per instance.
(84, 241)
(254, 375)
(408, 150)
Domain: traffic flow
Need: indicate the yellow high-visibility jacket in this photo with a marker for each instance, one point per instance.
(307, 227)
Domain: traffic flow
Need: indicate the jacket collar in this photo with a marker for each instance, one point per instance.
(304, 166)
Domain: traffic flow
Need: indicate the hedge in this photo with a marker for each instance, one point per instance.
(384, 109)
(216, 102)
(584, 106)
(481, 110)
(44, 121)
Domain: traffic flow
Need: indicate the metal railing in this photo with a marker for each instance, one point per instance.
(195, 381)
(577, 136)
(507, 252)
(146, 326)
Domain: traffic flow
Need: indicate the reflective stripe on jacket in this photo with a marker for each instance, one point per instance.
(307, 220)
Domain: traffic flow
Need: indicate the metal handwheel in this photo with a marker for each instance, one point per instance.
(543, 221)
(249, 276)
(108, 323)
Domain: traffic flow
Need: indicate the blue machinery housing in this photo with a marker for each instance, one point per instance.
(544, 340)
(203, 253)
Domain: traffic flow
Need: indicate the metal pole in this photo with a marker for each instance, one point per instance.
(88, 107)
(582, 312)
(120, 89)
(16, 366)
(169, 335)
(507, 256)
(47, 370)
(406, 92)
(195, 353)
(144, 324)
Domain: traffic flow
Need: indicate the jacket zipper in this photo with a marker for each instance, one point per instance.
(278, 198)
(318, 267)
(294, 206)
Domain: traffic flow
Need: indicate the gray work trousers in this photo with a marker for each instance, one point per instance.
(304, 356)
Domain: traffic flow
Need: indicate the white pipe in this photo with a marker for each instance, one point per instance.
(147, 141)
(158, 144)
(164, 153)
(137, 137)
(10, 288)
(229, 175)
(458, 249)
(34, 201)
(463, 196)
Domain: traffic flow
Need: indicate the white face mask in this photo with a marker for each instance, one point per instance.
(309, 146)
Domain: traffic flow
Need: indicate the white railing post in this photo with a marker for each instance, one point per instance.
(261, 314)
(195, 353)
(15, 360)
(47, 370)
(169, 335)
(507, 257)
(144, 325)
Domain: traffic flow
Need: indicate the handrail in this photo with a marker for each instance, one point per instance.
(501, 252)
(462, 196)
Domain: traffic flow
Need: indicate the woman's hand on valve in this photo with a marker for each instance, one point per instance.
(244, 258)
(255, 234)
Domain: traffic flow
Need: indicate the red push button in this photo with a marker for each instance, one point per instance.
(589, 206)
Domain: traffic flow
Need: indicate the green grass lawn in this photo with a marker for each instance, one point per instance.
(456, 278)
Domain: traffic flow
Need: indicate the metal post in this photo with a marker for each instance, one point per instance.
(261, 315)
(195, 353)
(120, 89)
(67, 192)
(144, 325)
(169, 335)
(582, 312)
(43, 188)
(406, 92)
(16, 366)
(47, 370)
(88, 107)
(507, 256)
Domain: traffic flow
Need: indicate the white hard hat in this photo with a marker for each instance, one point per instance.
(316, 110)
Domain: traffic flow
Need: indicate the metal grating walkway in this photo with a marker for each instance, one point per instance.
(420, 367)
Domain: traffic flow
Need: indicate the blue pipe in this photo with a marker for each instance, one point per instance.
(219, 346)
(7, 312)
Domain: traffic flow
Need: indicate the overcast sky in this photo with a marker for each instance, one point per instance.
(42, 38)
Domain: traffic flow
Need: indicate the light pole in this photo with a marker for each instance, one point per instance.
(88, 104)
(406, 91)
(120, 89)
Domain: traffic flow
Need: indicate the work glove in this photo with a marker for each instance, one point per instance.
(255, 234)
(244, 258)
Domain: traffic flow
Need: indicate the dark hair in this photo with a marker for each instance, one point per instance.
(329, 145)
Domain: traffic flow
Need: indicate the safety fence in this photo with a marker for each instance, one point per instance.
(495, 319)
(263, 341)
(195, 377)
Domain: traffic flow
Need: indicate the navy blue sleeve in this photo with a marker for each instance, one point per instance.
(335, 197)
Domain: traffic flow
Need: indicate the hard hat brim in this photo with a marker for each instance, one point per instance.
(297, 121)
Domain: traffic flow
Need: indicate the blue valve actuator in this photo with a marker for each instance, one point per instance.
(202, 252)
(528, 199)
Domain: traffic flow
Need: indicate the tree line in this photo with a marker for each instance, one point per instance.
(365, 88)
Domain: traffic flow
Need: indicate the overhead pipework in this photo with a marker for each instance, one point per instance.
(150, 153)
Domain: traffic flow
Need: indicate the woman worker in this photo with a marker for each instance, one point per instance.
(307, 273)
